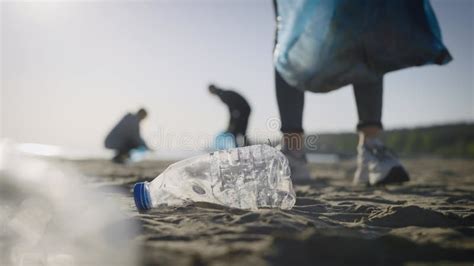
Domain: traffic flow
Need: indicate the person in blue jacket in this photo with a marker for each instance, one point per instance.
(125, 136)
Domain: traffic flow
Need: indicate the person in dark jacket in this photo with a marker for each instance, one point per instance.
(125, 136)
(239, 112)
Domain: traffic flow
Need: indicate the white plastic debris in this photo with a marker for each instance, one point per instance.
(49, 217)
(247, 178)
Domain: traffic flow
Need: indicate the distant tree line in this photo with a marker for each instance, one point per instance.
(453, 140)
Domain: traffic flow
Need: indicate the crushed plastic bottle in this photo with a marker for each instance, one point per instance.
(246, 178)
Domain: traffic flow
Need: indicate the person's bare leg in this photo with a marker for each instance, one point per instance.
(368, 133)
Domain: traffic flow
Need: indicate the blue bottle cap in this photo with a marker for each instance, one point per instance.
(142, 196)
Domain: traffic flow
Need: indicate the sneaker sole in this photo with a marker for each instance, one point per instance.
(397, 175)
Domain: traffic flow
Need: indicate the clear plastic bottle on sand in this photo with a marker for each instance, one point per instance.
(250, 177)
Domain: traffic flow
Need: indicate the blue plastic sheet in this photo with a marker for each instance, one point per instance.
(323, 45)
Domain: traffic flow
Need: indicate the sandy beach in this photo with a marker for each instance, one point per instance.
(429, 220)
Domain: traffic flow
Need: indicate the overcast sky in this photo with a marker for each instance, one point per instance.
(71, 70)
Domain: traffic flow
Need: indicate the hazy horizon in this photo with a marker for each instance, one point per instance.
(70, 70)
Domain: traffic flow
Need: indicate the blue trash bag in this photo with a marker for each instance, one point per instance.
(224, 141)
(138, 154)
(323, 45)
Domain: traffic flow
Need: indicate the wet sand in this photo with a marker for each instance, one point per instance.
(430, 220)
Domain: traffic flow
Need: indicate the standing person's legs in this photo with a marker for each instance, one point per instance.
(375, 163)
(233, 127)
(241, 128)
(369, 99)
(291, 104)
(232, 124)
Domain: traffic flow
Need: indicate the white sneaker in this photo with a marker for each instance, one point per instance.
(298, 164)
(377, 165)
